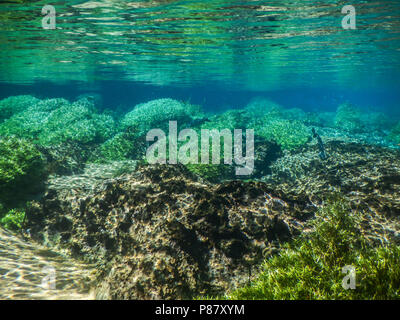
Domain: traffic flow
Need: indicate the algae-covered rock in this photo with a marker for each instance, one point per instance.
(348, 118)
(22, 169)
(123, 146)
(368, 175)
(54, 121)
(260, 107)
(156, 114)
(160, 234)
(15, 104)
(288, 134)
(395, 133)
(231, 119)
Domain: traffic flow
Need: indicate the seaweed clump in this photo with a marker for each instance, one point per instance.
(22, 169)
(157, 114)
(12, 219)
(288, 134)
(395, 133)
(312, 266)
(56, 121)
(15, 104)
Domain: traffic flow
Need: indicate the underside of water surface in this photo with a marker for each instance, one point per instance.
(199, 149)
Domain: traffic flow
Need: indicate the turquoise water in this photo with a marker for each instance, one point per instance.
(229, 46)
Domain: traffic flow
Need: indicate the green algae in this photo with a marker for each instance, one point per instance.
(22, 169)
(311, 266)
(54, 121)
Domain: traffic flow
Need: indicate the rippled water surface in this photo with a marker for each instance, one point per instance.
(28, 271)
(244, 44)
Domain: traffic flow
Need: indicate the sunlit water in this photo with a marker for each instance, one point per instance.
(31, 272)
(258, 45)
(217, 53)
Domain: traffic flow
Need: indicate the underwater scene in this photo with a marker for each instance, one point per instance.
(195, 150)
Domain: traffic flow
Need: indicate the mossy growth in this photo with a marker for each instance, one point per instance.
(312, 266)
(12, 219)
(211, 172)
(157, 114)
(15, 104)
(231, 119)
(123, 146)
(348, 118)
(260, 107)
(395, 133)
(22, 169)
(289, 134)
(54, 121)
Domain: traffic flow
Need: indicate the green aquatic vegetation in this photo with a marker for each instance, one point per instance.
(211, 172)
(348, 118)
(122, 146)
(15, 104)
(54, 121)
(30, 122)
(77, 122)
(375, 121)
(355, 120)
(289, 134)
(395, 133)
(13, 219)
(22, 169)
(320, 119)
(260, 107)
(311, 266)
(231, 119)
(294, 114)
(157, 114)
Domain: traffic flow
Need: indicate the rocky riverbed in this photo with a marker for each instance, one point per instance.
(161, 232)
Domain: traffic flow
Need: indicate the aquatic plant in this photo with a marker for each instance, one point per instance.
(53, 121)
(211, 172)
(30, 122)
(157, 114)
(311, 267)
(320, 119)
(15, 104)
(13, 219)
(294, 114)
(395, 133)
(375, 121)
(122, 146)
(348, 118)
(22, 169)
(231, 119)
(288, 134)
(259, 107)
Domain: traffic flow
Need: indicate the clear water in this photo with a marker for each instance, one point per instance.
(217, 53)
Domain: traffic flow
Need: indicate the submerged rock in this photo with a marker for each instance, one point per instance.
(368, 176)
(159, 233)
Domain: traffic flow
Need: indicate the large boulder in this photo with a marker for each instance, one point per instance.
(159, 233)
